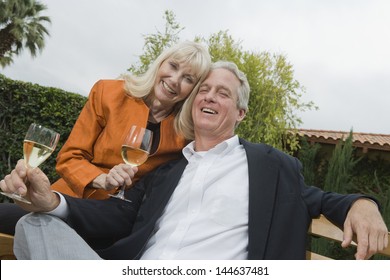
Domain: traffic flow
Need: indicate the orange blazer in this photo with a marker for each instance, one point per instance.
(94, 144)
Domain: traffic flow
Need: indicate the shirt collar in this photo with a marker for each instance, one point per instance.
(220, 149)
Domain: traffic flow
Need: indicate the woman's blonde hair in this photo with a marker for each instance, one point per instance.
(185, 124)
(188, 52)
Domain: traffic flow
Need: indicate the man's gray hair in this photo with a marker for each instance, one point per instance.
(244, 89)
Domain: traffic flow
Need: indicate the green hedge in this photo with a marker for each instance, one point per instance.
(21, 104)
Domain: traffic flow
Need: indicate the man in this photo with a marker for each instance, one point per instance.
(226, 199)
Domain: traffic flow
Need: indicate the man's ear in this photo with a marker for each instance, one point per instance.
(241, 115)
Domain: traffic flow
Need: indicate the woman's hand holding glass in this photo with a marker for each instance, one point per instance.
(121, 175)
(118, 175)
(135, 151)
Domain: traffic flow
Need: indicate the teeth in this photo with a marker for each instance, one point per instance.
(209, 111)
(168, 88)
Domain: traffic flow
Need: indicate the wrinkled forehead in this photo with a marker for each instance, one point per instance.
(221, 77)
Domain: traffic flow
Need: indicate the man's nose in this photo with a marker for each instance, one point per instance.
(210, 96)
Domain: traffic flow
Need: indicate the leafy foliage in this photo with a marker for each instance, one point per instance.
(341, 166)
(23, 103)
(21, 26)
(307, 155)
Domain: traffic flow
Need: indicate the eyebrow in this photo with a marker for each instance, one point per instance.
(218, 87)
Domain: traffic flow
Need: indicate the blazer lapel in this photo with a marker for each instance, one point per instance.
(163, 191)
(263, 176)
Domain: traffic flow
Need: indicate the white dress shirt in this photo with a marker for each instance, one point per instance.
(207, 215)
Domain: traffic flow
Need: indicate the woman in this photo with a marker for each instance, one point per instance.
(153, 99)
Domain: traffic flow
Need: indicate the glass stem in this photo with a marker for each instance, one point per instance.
(121, 192)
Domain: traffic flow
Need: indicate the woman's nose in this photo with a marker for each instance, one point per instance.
(175, 79)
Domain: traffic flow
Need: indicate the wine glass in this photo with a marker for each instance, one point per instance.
(135, 151)
(39, 143)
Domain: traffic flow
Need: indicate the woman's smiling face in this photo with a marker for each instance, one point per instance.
(174, 82)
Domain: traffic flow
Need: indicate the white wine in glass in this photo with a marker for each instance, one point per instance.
(35, 153)
(39, 143)
(135, 150)
(133, 156)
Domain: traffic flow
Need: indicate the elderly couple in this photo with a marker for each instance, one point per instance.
(222, 198)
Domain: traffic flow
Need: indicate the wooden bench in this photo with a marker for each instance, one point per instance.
(320, 227)
(6, 247)
(323, 228)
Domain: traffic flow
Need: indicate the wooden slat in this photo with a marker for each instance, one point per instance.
(6, 247)
(314, 256)
(322, 227)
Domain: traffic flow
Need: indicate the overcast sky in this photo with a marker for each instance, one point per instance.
(340, 49)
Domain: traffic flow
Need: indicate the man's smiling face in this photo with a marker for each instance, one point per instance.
(214, 110)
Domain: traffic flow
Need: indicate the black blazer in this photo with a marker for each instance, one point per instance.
(281, 207)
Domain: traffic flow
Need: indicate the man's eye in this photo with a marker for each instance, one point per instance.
(223, 93)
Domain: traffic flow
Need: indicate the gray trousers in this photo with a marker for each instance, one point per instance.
(45, 237)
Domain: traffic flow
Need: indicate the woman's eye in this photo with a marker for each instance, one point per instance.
(190, 80)
(173, 65)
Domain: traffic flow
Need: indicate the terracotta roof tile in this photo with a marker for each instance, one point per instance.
(367, 140)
